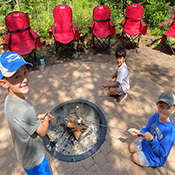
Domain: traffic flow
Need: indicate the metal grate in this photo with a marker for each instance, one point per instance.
(76, 132)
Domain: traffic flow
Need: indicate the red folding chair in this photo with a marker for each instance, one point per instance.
(20, 37)
(64, 29)
(169, 33)
(102, 27)
(133, 25)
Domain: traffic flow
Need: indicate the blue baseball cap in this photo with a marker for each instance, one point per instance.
(10, 62)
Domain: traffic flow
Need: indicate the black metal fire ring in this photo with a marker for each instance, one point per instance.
(73, 158)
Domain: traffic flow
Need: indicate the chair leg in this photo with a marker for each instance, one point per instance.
(105, 43)
(171, 48)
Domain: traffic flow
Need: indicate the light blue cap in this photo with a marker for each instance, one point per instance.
(10, 62)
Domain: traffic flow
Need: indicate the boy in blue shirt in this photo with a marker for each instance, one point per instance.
(159, 135)
(26, 127)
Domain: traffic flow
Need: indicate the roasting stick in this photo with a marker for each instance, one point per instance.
(113, 127)
(125, 130)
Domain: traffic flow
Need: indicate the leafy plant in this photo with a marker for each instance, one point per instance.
(41, 12)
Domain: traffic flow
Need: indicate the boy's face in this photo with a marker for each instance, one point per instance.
(18, 83)
(120, 61)
(164, 111)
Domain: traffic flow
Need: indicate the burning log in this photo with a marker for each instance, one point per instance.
(76, 126)
(71, 125)
(77, 134)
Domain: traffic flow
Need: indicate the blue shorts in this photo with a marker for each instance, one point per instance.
(41, 169)
(119, 89)
(142, 158)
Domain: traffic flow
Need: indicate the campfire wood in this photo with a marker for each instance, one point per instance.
(70, 136)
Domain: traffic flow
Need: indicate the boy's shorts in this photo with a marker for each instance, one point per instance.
(142, 157)
(119, 89)
(41, 169)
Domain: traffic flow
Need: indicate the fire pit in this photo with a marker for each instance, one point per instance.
(77, 131)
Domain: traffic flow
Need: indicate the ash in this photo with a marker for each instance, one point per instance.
(63, 131)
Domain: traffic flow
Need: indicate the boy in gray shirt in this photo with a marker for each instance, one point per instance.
(26, 127)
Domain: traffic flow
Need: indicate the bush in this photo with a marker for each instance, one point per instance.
(41, 12)
(155, 12)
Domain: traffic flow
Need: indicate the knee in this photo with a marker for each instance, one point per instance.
(132, 147)
(135, 158)
(110, 91)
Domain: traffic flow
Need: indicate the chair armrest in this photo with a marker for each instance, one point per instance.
(92, 25)
(76, 32)
(51, 30)
(36, 37)
(166, 22)
(112, 27)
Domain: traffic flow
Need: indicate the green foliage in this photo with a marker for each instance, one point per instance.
(155, 12)
(83, 14)
(41, 12)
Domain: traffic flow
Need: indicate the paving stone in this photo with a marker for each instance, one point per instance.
(138, 170)
(107, 169)
(117, 145)
(66, 172)
(58, 166)
(80, 171)
(122, 169)
(87, 163)
(100, 159)
(74, 165)
(113, 158)
(105, 148)
(94, 170)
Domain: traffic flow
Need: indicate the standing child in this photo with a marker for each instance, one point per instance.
(159, 135)
(25, 126)
(120, 78)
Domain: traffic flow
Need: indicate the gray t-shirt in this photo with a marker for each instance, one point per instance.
(23, 122)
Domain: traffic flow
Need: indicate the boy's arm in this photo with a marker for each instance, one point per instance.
(42, 129)
(163, 147)
(114, 75)
(110, 85)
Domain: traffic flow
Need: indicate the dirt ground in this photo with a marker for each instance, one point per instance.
(154, 61)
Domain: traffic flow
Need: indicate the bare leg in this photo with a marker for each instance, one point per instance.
(112, 91)
(132, 147)
(135, 155)
(135, 158)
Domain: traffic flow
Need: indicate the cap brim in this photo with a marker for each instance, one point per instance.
(165, 101)
(13, 71)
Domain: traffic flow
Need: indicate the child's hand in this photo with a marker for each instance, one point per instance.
(134, 131)
(51, 116)
(102, 87)
(41, 116)
(111, 79)
(148, 136)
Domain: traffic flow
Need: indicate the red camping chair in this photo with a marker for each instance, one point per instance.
(170, 32)
(133, 24)
(20, 37)
(102, 27)
(64, 29)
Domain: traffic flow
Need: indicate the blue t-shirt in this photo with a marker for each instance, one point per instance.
(158, 150)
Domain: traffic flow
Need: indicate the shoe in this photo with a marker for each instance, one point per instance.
(115, 97)
(121, 98)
